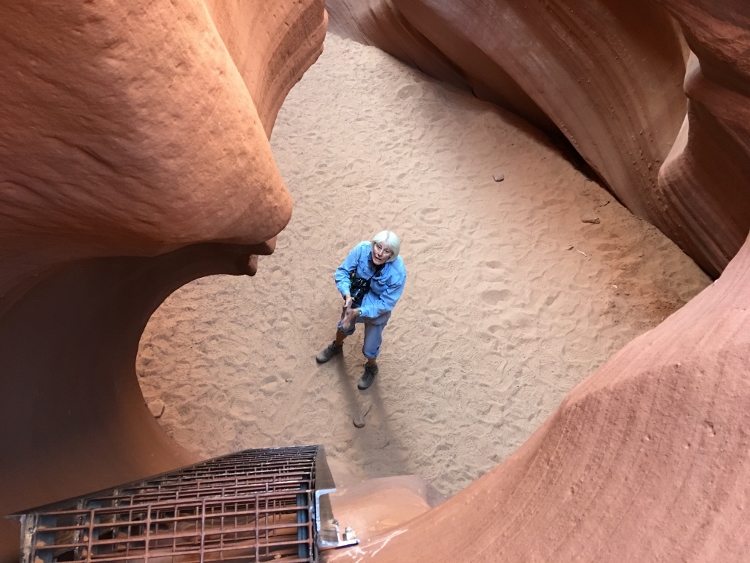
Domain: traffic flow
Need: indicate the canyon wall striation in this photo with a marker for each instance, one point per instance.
(703, 184)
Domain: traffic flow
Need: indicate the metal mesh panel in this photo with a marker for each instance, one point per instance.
(255, 505)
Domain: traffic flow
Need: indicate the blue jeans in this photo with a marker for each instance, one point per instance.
(373, 333)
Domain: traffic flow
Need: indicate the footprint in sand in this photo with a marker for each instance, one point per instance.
(409, 91)
(431, 215)
(495, 296)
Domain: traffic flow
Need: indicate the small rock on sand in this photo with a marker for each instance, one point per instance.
(498, 177)
(592, 220)
(157, 407)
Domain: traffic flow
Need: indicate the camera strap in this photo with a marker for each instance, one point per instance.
(361, 286)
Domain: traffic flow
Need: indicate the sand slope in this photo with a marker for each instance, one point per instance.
(511, 298)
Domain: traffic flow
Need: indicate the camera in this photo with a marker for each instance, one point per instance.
(359, 287)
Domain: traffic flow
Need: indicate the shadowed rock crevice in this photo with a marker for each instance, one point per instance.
(80, 422)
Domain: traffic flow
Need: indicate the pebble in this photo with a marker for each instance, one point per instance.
(593, 220)
(498, 177)
(157, 407)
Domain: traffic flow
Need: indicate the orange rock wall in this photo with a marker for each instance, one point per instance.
(606, 74)
(134, 158)
(271, 44)
(705, 182)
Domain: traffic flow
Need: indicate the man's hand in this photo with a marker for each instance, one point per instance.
(347, 301)
(350, 315)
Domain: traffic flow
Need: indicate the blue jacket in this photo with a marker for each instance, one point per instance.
(385, 288)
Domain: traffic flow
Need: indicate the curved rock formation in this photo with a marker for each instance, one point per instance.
(705, 204)
(134, 158)
(609, 77)
(271, 46)
(453, 58)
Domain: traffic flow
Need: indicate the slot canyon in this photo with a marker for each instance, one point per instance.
(137, 160)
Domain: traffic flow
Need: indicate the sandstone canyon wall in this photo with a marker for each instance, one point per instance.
(608, 76)
(134, 158)
(704, 202)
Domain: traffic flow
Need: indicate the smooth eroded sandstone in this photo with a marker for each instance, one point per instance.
(704, 204)
(609, 77)
(134, 158)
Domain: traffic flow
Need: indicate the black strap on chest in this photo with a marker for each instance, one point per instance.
(360, 286)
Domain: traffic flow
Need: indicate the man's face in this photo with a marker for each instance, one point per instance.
(380, 253)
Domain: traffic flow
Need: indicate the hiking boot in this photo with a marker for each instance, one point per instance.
(332, 350)
(368, 377)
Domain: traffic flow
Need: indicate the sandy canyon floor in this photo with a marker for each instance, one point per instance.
(511, 298)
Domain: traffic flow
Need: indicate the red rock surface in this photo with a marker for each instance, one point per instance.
(704, 204)
(271, 45)
(134, 158)
(607, 75)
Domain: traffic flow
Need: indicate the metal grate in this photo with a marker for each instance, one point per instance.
(255, 505)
